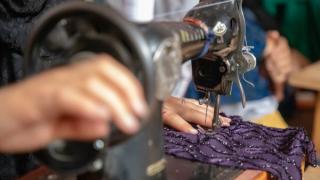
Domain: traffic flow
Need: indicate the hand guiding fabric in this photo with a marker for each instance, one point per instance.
(181, 113)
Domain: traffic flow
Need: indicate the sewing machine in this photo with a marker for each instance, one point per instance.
(211, 36)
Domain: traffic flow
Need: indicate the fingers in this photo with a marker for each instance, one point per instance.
(124, 82)
(198, 117)
(71, 102)
(175, 121)
(122, 116)
(113, 89)
(189, 111)
(273, 35)
(275, 74)
(202, 118)
(201, 114)
(76, 129)
(278, 74)
(279, 62)
(225, 122)
(271, 41)
(194, 104)
(181, 104)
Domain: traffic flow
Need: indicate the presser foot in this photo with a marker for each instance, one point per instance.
(216, 121)
(203, 130)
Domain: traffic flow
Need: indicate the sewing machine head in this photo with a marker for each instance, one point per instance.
(211, 35)
(225, 30)
(224, 57)
(227, 57)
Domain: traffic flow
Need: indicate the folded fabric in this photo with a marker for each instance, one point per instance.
(246, 145)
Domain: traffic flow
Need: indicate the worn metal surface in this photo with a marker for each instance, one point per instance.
(181, 169)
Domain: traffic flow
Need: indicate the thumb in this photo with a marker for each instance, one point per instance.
(273, 34)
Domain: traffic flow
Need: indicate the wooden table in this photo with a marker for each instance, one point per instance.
(43, 173)
(178, 169)
(309, 78)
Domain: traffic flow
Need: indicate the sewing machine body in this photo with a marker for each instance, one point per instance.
(154, 52)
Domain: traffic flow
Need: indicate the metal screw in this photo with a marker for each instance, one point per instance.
(222, 69)
(63, 22)
(97, 165)
(52, 176)
(220, 29)
(98, 144)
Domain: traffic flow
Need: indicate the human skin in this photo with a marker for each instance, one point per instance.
(279, 62)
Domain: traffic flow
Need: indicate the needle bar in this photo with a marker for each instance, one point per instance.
(216, 121)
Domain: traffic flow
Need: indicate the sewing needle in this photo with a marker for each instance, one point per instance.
(207, 106)
(216, 121)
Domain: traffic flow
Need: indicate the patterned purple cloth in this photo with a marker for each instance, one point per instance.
(246, 145)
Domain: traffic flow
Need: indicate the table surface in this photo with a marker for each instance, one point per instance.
(307, 78)
(187, 170)
(181, 169)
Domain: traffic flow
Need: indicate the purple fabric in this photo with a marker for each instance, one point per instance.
(246, 145)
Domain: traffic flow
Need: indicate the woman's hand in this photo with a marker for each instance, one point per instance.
(277, 54)
(179, 113)
(278, 61)
(72, 102)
